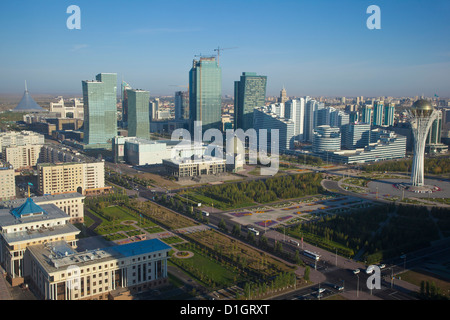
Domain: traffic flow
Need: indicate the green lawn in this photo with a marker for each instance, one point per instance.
(207, 201)
(204, 268)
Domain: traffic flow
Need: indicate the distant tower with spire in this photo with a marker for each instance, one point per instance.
(283, 97)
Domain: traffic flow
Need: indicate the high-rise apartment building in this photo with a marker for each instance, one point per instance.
(311, 116)
(366, 115)
(295, 110)
(138, 113)
(22, 156)
(21, 138)
(355, 135)
(389, 112)
(249, 93)
(264, 119)
(7, 182)
(378, 110)
(84, 178)
(100, 110)
(205, 93)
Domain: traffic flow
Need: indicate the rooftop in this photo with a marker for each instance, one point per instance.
(11, 217)
(62, 196)
(59, 254)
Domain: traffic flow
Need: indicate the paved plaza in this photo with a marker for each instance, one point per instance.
(389, 188)
(287, 212)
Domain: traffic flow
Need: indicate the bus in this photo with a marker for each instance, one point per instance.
(293, 242)
(312, 255)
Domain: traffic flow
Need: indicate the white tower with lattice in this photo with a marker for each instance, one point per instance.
(421, 116)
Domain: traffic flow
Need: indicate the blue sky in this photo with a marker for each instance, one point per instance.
(320, 47)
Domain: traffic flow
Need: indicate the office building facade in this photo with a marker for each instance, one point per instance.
(138, 113)
(27, 225)
(249, 93)
(58, 272)
(181, 105)
(205, 94)
(326, 138)
(100, 110)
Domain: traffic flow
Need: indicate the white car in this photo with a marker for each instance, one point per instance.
(356, 271)
(382, 266)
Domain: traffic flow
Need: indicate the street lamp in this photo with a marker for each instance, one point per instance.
(357, 287)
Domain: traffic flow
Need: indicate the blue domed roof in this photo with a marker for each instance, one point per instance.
(29, 208)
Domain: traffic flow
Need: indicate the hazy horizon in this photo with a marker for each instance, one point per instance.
(315, 48)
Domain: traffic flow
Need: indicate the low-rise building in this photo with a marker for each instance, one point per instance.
(71, 203)
(187, 167)
(57, 272)
(27, 225)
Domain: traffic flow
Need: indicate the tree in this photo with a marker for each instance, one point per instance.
(306, 274)
(222, 226)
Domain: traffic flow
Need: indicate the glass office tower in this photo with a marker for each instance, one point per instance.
(181, 105)
(205, 93)
(138, 113)
(100, 110)
(249, 93)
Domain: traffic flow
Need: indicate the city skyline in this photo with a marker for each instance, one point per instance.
(316, 49)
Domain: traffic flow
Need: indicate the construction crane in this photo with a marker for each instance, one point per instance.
(218, 52)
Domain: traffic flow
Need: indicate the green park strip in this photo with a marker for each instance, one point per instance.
(205, 269)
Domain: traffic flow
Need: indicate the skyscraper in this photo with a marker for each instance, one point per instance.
(389, 111)
(100, 111)
(366, 116)
(283, 97)
(124, 88)
(378, 110)
(138, 113)
(181, 105)
(205, 93)
(249, 93)
(295, 110)
(311, 115)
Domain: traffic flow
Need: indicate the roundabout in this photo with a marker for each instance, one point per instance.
(183, 254)
(403, 188)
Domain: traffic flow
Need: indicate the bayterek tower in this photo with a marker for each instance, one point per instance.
(421, 116)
